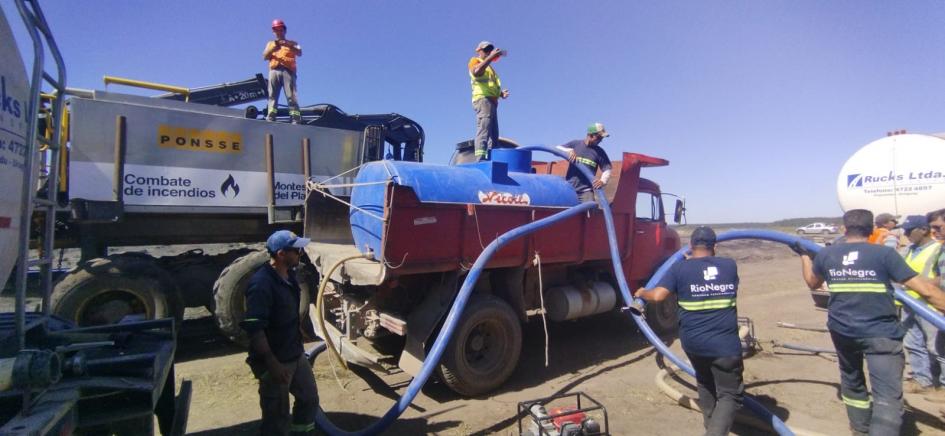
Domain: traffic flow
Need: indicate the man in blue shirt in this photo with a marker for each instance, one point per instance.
(276, 356)
(587, 153)
(705, 286)
(863, 321)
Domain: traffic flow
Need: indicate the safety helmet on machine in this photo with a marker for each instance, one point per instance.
(277, 23)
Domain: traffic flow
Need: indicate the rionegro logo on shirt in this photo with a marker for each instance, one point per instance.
(712, 287)
(850, 272)
(851, 257)
(710, 273)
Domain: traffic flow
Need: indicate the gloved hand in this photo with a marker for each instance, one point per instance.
(801, 251)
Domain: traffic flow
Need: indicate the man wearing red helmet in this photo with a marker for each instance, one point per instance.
(281, 54)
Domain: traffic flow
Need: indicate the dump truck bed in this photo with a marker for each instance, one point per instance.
(420, 236)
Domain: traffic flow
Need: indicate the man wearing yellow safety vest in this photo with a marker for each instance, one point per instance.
(936, 220)
(486, 90)
(705, 286)
(863, 322)
(919, 341)
(281, 54)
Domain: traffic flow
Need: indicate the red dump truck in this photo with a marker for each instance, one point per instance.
(426, 224)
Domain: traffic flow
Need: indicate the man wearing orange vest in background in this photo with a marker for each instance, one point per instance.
(882, 233)
(281, 54)
(486, 90)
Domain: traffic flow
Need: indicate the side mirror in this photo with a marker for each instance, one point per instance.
(679, 211)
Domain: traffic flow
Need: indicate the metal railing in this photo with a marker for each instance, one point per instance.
(148, 85)
(47, 149)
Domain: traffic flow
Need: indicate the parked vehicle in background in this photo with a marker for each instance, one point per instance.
(817, 228)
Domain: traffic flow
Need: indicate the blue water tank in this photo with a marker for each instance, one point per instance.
(485, 183)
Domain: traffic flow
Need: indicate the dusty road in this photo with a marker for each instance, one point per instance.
(605, 357)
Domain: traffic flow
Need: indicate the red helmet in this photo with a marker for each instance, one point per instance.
(278, 23)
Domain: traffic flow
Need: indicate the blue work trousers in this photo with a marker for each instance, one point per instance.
(721, 390)
(881, 415)
(925, 349)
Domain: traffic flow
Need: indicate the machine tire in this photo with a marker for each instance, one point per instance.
(662, 316)
(487, 321)
(228, 293)
(102, 291)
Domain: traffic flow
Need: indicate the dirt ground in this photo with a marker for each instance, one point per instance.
(603, 356)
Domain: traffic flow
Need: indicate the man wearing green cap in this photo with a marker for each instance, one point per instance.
(588, 153)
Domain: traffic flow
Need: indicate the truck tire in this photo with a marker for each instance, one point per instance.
(662, 316)
(228, 295)
(485, 347)
(105, 290)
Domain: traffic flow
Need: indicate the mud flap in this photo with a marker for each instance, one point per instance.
(424, 320)
(327, 220)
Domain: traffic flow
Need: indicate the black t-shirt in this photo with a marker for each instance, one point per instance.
(590, 157)
(272, 305)
(705, 289)
(860, 277)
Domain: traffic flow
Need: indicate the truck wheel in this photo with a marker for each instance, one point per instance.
(228, 293)
(484, 349)
(106, 290)
(662, 316)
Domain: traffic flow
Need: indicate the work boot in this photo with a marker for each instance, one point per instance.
(914, 387)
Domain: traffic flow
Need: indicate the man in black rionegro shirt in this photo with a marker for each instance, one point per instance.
(705, 286)
(863, 321)
(276, 356)
(588, 153)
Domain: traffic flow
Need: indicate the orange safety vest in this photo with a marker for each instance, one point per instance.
(878, 236)
(283, 57)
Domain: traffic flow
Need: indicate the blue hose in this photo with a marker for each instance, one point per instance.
(919, 307)
(776, 423)
(452, 319)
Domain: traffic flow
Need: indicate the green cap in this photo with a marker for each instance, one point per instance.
(597, 128)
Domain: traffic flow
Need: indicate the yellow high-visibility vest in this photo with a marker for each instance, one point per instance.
(486, 85)
(922, 261)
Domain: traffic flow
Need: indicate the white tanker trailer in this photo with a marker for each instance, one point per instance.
(901, 174)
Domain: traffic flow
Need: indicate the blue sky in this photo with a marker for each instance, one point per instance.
(756, 104)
